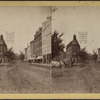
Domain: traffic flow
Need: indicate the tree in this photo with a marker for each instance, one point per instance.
(22, 56)
(10, 54)
(83, 54)
(57, 45)
(95, 56)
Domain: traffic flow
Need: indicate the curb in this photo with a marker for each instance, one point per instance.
(41, 65)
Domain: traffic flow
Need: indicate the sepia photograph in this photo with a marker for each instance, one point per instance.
(76, 49)
(25, 49)
(49, 49)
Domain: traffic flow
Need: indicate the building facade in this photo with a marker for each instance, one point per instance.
(46, 40)
(25, 53)
(3, 50)
(32, 49)
(72, 49)
(28, 52)
(38, 43)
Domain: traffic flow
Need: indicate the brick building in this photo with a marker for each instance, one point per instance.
(3, 50)
(72, 49)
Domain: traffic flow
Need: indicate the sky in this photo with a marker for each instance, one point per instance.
(72, 20)
(24, 22)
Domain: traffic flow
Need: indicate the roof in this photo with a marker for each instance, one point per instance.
(74, 42)
(2, 42)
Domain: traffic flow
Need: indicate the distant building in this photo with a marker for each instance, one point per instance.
(46, 40)
(3, 50)
(28, 52)
(32, 49)
(17, 56)
(72, 49)
(98, 54)
(38, 43)
(40, 47)
(25, 53)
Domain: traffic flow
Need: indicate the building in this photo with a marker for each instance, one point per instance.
(25, 53)
(40, 47)
(98, 54)
(61, 56)
(28, 52)
(46, 40)
(72, 49)
(32, 49)
(38, 44)
(3, 50)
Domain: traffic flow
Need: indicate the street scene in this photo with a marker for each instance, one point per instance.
(49, 50)
(75, 50)
(21, 77)
(25, 40)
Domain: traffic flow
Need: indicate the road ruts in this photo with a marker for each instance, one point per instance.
(24, 78)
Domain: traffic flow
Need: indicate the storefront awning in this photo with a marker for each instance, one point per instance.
(39, 57)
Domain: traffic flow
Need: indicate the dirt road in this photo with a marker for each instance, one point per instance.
(24, 78)
(77, 79)
(27, 78)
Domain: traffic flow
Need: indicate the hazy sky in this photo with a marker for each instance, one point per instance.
(71, 20)
(24, 21)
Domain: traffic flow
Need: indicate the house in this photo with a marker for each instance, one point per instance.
(3, 50)
(72, 49)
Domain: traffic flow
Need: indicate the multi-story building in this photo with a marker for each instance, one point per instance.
(32, 49)
(38, 43)
(72, 49)
(46, 40)
(40, 47)
(3, 50)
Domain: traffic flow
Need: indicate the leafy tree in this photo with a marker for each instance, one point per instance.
(10, 54)
(83, 54)
(95, 56)
(22, 56)
(57, 45)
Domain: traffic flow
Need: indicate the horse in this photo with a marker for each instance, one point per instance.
(69, 62)
(58, 64)
(63, 63)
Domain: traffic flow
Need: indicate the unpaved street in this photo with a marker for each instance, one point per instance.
(27, 78)
(77, 79)
(24, 78)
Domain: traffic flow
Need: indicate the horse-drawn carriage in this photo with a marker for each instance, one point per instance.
(63, 63)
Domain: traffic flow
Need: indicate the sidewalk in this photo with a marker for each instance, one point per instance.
(42, 65)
